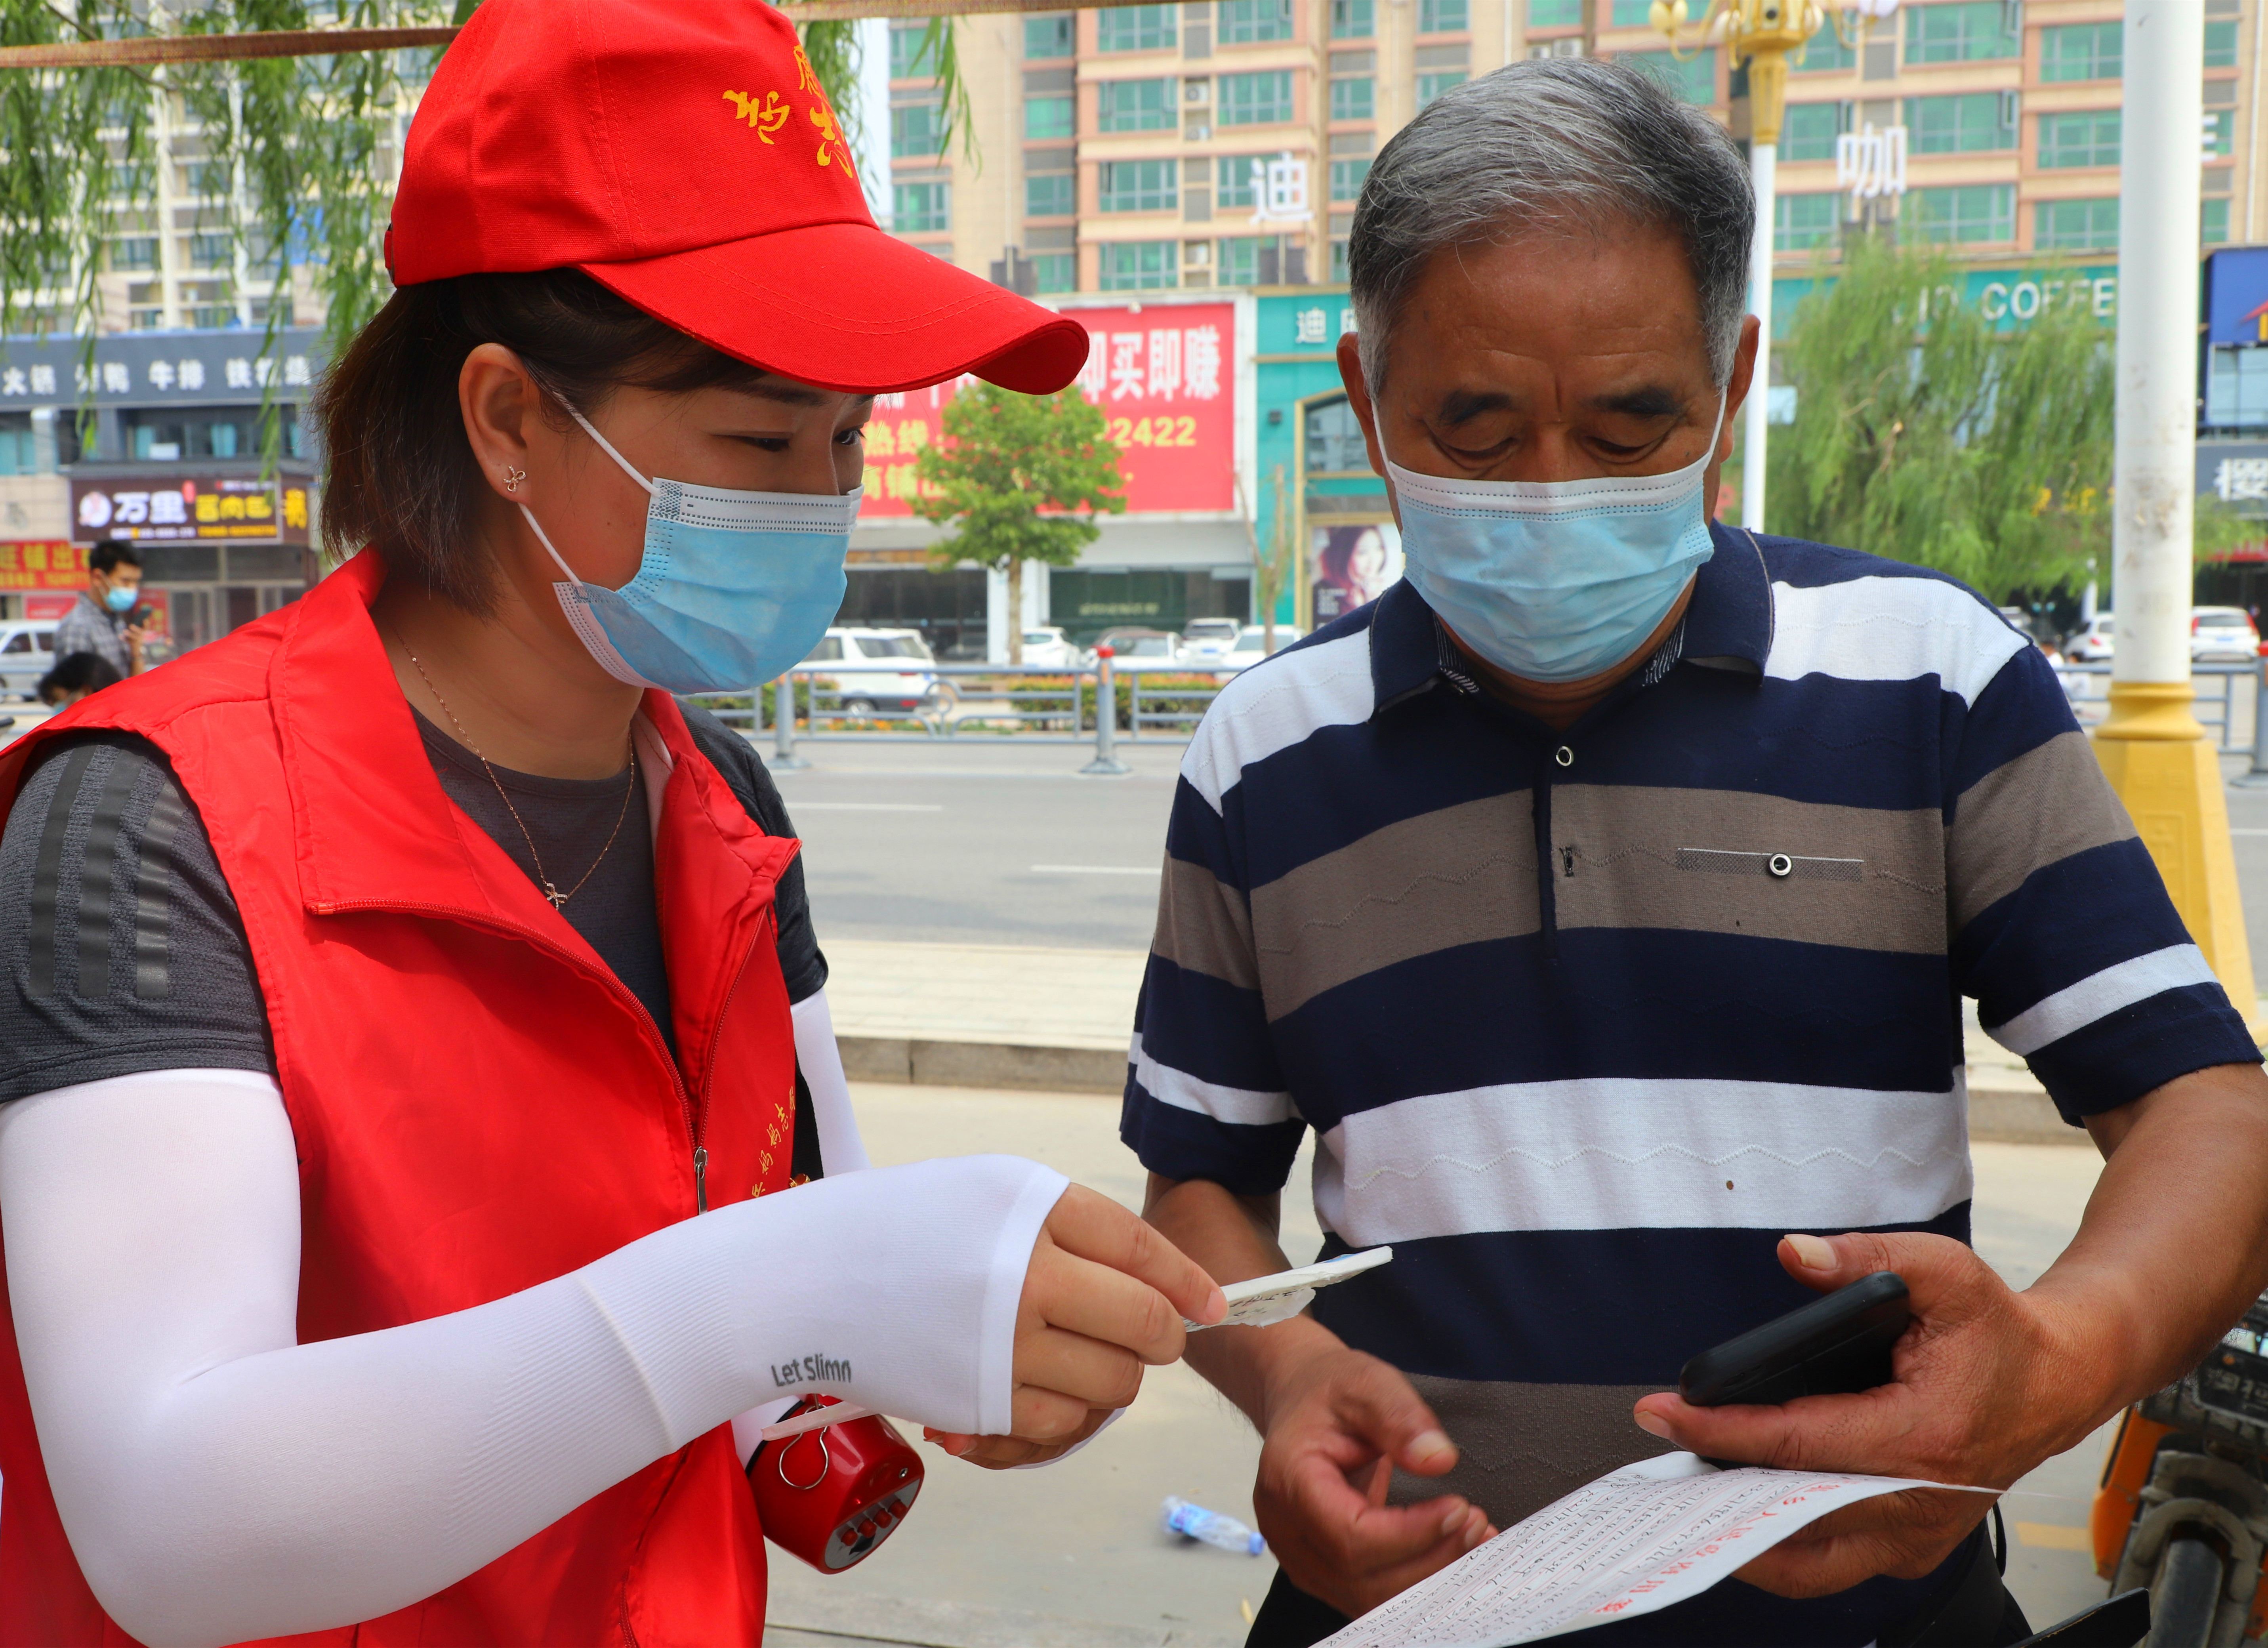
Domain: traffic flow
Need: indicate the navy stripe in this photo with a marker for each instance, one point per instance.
(46, 875)
(1571, 1307)
(1633, 1002)
(2068, 921)
(98, 868)
(1196, 835)
(1179, 1143)
(153, 896)
(1207, 1027)
(2021, 709)
(2140, 1048)
(1806, 565)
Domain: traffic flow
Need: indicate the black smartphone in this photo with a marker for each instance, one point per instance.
(1835, 1345)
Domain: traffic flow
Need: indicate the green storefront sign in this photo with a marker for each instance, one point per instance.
(2011, 299)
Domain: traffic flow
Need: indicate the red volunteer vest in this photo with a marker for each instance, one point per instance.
(478, 1104)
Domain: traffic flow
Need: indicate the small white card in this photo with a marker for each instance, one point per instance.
(1264, 1301)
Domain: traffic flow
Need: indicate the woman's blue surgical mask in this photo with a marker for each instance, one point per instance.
(1555, 580)
(735, 587)
(119, 598)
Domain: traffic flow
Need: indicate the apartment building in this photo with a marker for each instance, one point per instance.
(1224, 142)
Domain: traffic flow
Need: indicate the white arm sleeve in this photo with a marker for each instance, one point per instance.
(219, 1480)
(841, 1151)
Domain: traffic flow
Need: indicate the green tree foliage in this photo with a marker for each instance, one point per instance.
(1923, 435)
(1013, 475)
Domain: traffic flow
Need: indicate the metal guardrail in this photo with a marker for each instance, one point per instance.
(976, 703)
(2216, 711)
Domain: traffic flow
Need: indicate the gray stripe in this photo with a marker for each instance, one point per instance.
(1520, 1446)
(1463, 875)
(1204, 925)
(47, 874)
(153, 896)
(97, 869)
(2026, 814)
(1700, 861)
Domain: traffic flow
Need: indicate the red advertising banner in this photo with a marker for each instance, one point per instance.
(1164, 376)
(43, 564)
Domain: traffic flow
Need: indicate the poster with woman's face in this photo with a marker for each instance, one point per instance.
(1352, 566)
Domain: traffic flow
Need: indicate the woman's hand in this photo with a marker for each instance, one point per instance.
(1105, 1294)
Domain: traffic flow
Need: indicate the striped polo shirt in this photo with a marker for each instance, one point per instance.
(1586, 1020)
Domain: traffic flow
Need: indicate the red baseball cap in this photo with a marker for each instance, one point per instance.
(682, 153)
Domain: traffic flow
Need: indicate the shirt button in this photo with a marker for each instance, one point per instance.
(1564, 756)
(1780, 865)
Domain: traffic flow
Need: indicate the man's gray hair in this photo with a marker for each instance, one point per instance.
(1566, 143)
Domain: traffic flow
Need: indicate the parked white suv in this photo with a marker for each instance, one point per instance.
(1048, 647)
(1207, 640)
(2222, 635)
(875, 670)
(2093, 642)
(28, 652)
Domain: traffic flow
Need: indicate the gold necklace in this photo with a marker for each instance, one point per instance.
(559, 899)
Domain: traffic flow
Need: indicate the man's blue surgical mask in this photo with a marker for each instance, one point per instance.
(1555, 580)
(119, 598)
(734, 588)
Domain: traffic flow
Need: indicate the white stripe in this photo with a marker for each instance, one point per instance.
(1275, 705)
(1620, 1153)
(1185, 1092)
(1890, 629)
(2099, 995)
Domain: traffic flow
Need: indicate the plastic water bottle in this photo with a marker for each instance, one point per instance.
(1194, 1521)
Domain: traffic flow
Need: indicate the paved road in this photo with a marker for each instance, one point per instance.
(1080, 1539)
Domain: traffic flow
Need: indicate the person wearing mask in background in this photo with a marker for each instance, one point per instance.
(425, 1162)
(77, 677)
(1604, 896)
(98, 620)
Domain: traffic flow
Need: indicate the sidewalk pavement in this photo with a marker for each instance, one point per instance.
(1028, 1016)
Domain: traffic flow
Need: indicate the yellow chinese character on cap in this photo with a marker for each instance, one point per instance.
(764, 116)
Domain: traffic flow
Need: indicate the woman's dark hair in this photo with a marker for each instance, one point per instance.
(403, 476)
(78, 672)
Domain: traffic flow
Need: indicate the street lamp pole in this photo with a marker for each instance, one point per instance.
(1764, 34)
(2156, 756)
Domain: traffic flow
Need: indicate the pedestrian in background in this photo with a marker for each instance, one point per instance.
(1604, 896)
(100, 620)
(76, 677)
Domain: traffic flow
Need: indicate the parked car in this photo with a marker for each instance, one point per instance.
(2222, 635)
(875, 670)
(1048, 647)
(1205, 642)
(28, 652)
(2092, 641)
(1143, 650)
(1252, 645)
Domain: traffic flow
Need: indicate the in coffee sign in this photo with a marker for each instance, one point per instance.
(230, 509)
(1163, 375)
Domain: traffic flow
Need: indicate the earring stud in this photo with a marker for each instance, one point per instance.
(512, 478)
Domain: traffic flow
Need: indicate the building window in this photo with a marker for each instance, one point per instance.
(1051, 195)
(1960, 31)
(138, 252)
(1800, 222)
(1976, 212)
(911, 55)
(1248, 261)
(1139, 265)
(1630, 14)
(2083, 51)
(1128, 105)
(1124, 185)
(210, 251)
(1050, 37)
(2080, 225)
(1808, 132)
(1255, 99)
(2213, 224)
(1824, 53)
(2219, 130)
(1544, 14)
(915, 130)
(1250, 22)
(921, 208)
(1966, 123)
(1442, 16)
(1431, 85)
(1056, 272)
(2088, 137)
(1135, 28)
(1237, 181)
(1347, 178)
(1353, 100)
(16, 449)
(2220, 45)
(1692, 81)
(1049, 117)
(1339, 262)
(1353, 19)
